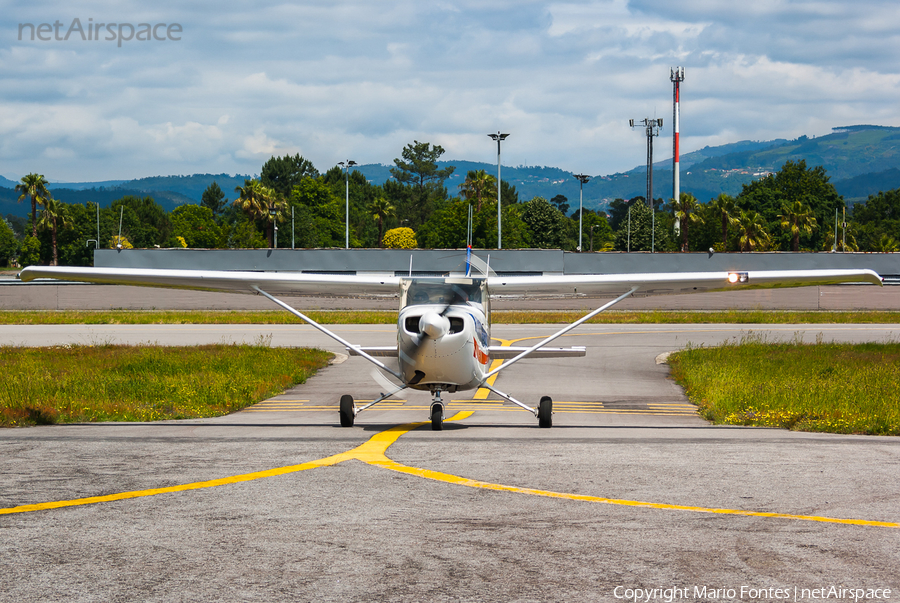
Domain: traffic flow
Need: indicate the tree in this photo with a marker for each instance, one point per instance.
(793, 182)
(547, 225)
(887, 244)
(282, 174)
(618, 211)
(76, 244)
(9, 246)
(753, 231)
(479, 185)
(30, 253)
(196, 225)
(508, 194)
(400, 238)
(214, 199)
(879, 215)
(643, 235)
(561, 202)
(144, 221)
(725, 209)
(54, 216)
(381, 209)
(319, 214)
(261, 203)
(417, 189)
(419, 165)
(796, 218)
(35, 187)
(686, 210)
(596, 233)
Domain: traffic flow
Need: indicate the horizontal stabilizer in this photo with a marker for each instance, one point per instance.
(507, 352)
(388, 351)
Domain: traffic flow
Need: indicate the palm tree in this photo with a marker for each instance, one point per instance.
(381, 208)
(54, 216)
(724, 207)
(34, 186)
(478, 185)
(887, 244)
(796, 218)
(753, 231)
(686, 212)
(260, 202)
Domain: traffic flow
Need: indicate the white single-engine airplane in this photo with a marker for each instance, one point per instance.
(443, 326)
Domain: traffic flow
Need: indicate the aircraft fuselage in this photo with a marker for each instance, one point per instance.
(443, 334)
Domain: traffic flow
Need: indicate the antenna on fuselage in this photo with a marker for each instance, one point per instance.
(410, 265)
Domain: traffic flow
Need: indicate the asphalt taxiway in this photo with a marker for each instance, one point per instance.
(629, 490)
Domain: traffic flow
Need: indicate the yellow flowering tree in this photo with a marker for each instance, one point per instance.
(400, 238)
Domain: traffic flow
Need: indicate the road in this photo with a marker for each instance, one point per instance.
(628, 490)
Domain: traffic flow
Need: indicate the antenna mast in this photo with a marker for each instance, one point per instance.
(676, 75)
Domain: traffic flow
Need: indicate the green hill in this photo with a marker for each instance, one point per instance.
(860, 160)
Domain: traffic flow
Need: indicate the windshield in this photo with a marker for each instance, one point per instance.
(440, 292)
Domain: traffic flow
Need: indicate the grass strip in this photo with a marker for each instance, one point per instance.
(75, 384)
(143, 317)
(823, 387)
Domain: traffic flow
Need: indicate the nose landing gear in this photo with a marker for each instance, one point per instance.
(437, 412)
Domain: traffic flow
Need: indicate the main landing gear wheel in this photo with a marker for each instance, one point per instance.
(437, 417)
(347, 411)
(545, 412)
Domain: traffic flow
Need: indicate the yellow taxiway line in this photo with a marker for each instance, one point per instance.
(374, 452)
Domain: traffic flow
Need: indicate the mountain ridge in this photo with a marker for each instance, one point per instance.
(860, 160)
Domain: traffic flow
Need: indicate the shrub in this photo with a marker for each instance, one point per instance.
(400, 238)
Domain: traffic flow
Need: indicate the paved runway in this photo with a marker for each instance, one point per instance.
(628, 490)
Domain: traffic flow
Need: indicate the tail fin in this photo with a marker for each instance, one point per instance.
(468, 260)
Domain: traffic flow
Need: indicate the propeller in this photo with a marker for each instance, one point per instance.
(382, 380)
(481, 265)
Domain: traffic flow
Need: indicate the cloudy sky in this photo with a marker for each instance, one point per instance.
(336, 80)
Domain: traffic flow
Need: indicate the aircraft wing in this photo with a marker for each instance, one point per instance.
(284, 283)
(498, 352)
(296, 283)
(671, 282)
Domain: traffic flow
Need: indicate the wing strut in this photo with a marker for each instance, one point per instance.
(381, 398)
(357, 349)
(541, 344)
(533, 411)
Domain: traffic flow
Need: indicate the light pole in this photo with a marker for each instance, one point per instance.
(97, 240)
(582, 178)
(651, 127)
(499, 138)
(273, 214)
(592, 237)
(348, 164)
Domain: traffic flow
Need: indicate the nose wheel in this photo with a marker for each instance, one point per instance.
(437, 417)
(437, 412)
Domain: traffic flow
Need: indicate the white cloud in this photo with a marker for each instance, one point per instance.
(360, 80)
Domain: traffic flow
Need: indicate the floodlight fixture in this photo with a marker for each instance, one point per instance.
(499, 138)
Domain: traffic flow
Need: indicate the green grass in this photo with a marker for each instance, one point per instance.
(826, 387)
(49, 317)
(76, 384)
